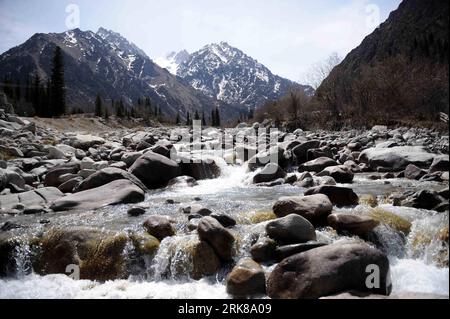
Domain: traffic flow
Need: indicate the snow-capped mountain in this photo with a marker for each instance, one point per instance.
(105, 62)
(225, 73)
(172, 60)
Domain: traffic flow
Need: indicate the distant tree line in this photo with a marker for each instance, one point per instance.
(213, 120)
(45, 98)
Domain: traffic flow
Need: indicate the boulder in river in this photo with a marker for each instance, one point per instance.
(117, 192)
(205, 261)
(105, 176)
(198, 168)
(318, 165)
(301, 151)
(414, 172)
(263, 250)
(353, 224)
(340, 173)
(440, 163)
(155, 170)
(397, 158)
(53, 175)
(329, 270)
(283, 252)
(38, 197)
(425, 199)
(269, 173)
(160, 226)
(246, 279)
(339, 196)
(314, 208)
(98, 254)
(292, 229)
(84, 142)
(222, 241)
(225, 220)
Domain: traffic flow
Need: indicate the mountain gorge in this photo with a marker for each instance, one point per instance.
(398, 73)
(227, 74)
(108, 64)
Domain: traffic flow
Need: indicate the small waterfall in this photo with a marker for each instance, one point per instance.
(22, 258)
(174, 258)
(389, 241)
(428, 240)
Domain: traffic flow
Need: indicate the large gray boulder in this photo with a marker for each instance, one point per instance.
(269, 173)
(106, 176)
(84, 142)
(301, 151)
(292, 229)
(98, 254)
(314, 208)
(340, 173)
(38, 197)
(339, 196)
(353, 224)
(318, 165)
(118, 192)
(160, 226)
(413, 172)
(52, 178)
(397, 158)
(155, 170)
(198, 168)
(220, 239)
(246, 279)
(440, 163)
(330, 270)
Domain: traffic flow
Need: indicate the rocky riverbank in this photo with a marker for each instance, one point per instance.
(303, 217)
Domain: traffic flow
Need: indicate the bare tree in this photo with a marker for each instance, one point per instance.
(322, 69)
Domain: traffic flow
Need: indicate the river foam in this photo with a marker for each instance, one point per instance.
(63, 287)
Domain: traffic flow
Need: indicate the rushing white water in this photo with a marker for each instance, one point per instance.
(415, 260)
(62, 287)
(411, 275)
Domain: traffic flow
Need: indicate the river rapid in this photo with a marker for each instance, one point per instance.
(419, 262)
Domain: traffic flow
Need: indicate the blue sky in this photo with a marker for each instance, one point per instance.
(288, 36)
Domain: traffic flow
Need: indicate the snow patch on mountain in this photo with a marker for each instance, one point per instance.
(171, 61)
(224, 72)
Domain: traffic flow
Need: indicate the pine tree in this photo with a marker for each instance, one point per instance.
(178, 120)
(98, 106)
(188, 119)
(27, 90)
(251, 114)
(203, 119)
(58, 94)
(17, 92)
(196, 116)
(106, 114)
(217, 117)
(45, 101)
(35, 95)
(213, 118)
(120, 109)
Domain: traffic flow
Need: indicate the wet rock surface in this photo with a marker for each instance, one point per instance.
(125, 202)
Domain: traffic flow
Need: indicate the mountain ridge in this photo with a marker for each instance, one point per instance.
(105, 62)
(226, 73)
